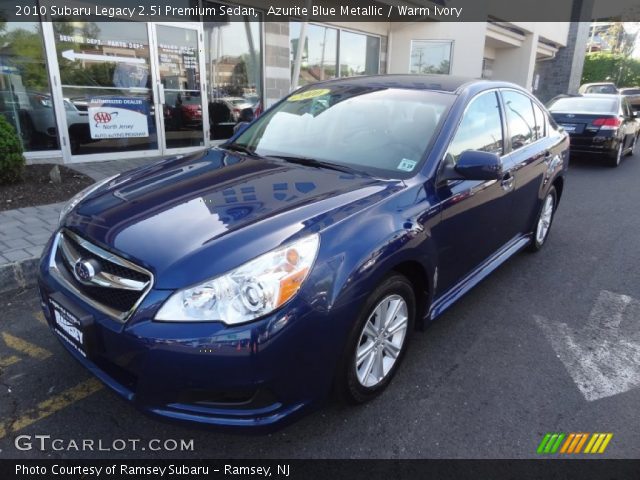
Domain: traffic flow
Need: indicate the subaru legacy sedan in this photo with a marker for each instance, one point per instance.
(242, 285)
(600, 126)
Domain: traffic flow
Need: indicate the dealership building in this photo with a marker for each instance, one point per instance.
(79, 91)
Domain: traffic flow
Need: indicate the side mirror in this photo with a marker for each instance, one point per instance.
(478, 165)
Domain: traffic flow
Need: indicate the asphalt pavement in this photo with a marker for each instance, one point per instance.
(550, 343)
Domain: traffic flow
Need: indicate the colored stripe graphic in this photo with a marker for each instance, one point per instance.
(550, 443)
(572, 443)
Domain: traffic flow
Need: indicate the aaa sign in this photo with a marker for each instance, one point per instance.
(118, 117)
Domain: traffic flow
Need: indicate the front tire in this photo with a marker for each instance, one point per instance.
(544, 220)
(378, 341)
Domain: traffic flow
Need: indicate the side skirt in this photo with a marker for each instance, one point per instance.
(476, 276)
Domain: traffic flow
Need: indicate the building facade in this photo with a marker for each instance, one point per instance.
(90, 91)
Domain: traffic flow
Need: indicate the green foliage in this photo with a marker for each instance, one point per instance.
(23, 50)
(11, 158)
(611, 67)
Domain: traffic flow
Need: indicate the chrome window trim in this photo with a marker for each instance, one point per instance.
(117, 315)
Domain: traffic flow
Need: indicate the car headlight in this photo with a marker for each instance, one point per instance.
(250, 291)
(78, 197)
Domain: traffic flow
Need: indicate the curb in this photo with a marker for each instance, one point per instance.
(17, 275)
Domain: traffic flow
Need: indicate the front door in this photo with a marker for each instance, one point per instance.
(474, 212)
(181, 97)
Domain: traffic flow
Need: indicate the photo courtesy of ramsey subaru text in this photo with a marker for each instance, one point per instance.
(243, 285)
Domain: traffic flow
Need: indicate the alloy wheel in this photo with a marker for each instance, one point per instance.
(381, 340)
(619, 155)
(544, 222)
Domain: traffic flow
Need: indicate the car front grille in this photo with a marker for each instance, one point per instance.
(112, 284)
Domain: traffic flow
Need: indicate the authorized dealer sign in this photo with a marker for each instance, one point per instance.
(123, 470)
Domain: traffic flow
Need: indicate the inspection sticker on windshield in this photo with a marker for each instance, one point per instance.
(308, 94)
(406, 165)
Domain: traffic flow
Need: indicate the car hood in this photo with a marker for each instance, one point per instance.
(188, 219)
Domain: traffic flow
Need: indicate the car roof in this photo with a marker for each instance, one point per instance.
(599, 95)
(440, 83)
(597, 83)
(588, 95)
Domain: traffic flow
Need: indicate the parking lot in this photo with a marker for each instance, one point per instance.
(549, 343)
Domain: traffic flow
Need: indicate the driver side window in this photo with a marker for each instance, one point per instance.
(480, 128)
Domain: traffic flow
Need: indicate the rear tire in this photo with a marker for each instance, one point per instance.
(616, 158)
(544, 220)
(633, 146)
(378, 341)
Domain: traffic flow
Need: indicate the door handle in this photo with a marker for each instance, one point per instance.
(507, 182)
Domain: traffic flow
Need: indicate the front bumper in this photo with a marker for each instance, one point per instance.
(257, 376)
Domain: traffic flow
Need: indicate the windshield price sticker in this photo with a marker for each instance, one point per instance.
(298, 97)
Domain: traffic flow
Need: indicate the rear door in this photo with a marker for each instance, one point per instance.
(629, 123)
(530, 153)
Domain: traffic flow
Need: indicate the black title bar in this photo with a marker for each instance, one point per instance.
(319, 469)
(320, 10)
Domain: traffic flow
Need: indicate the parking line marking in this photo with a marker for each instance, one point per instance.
(25, 347)
(52, 405)
(6, 361)
(40, 317)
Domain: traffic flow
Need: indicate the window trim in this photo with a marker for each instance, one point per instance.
(529, 97)
(466, 109)
(533, 99)
(433, 40)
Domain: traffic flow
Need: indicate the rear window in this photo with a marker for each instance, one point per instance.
(631, 91)
(585, 105)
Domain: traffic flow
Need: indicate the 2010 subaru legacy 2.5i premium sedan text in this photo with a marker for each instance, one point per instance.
(239, 286)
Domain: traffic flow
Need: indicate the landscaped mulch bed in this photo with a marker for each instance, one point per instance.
(37, 188)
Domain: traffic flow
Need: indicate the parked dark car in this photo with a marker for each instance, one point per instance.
(240, 285)
(633, 97)
(600, 125)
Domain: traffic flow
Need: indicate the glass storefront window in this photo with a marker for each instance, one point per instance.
(25, 96)
(430, 56)
(233, 53)
(319, 56)
(106, 84)
(359, 54)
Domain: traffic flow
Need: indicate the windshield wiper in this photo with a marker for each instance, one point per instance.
(235, 147)
(312, 162)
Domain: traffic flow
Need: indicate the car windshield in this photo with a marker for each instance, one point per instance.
(378, 130)
(585, 105)
(631, 91)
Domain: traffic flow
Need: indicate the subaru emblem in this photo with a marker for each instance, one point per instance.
(83, 270)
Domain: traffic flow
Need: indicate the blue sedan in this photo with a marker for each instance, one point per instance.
(241, 285)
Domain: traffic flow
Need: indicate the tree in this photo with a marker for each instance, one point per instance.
(11, 158)
(611, 67)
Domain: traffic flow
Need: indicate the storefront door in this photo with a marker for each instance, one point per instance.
(179, 81)
(129, 90)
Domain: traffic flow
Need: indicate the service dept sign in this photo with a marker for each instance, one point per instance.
(118, 117)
